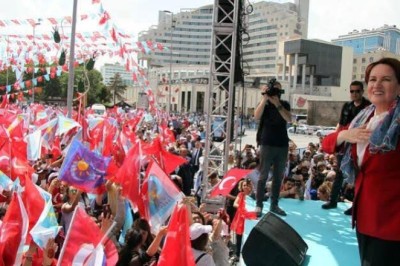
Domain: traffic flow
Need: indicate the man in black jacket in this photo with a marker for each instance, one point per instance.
(349, 111)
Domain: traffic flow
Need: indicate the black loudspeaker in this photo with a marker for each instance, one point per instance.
(273, 242)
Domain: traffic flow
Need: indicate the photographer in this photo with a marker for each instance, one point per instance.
(318, 176)
(293, 188)
(274, 114)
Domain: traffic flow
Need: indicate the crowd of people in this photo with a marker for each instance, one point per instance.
(356, 164)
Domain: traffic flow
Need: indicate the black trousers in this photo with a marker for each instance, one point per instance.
(378, 252)
(336, 187)
(238, 245)
(337, 182)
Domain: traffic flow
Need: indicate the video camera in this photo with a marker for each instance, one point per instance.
(272, 90)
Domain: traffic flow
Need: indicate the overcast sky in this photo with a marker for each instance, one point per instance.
(327, 19)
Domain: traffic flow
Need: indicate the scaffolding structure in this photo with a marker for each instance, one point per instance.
(220, 96)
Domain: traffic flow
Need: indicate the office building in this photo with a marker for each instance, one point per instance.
(108, 71)
(315, 70)
(187, 35)
(386, 38)
(269, 25)
(361, 61)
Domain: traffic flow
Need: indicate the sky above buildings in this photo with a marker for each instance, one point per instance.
(327, 19)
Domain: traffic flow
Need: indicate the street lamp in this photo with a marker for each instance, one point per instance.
(33, 72)
(170, 61)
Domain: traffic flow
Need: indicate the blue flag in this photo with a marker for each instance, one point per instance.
(47, 225)
(5, 182)
(162, 195)
(128, 222)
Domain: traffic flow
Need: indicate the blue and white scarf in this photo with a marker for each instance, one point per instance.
(383, 139)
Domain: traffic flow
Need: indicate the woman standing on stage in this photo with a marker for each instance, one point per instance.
(372, 154)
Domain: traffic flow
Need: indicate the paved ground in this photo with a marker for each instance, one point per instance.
(300, 139)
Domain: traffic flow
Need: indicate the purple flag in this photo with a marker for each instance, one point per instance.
(82, 168)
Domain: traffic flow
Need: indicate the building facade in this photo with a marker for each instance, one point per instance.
(315, 70)
(386, 38)
(361, 61)
(269, 24)
(108, 71)
(187, 35)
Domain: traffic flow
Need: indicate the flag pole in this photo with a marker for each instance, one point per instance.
(71, 70)
(103, 239)
(67, 237)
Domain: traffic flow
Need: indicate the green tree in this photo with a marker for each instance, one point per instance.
(52, 88)
(7, 77)
(117, 87)
(92, 81)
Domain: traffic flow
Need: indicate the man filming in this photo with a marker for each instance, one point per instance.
(274, 114)
(293, 187)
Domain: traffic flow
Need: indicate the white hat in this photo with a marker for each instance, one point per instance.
(197, 229)
(35, 177)
(52, 176)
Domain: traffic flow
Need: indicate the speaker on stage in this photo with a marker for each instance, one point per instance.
(273, 242)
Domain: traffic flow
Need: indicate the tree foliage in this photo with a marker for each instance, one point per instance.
(117, 87)
(57, 86)
(91, 81)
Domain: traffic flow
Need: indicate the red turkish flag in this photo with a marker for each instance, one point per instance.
(167, 135)
(82, 238)
(128, 175)
(13, 232)
(19, 166)
(231, 178)
(5, 162)
(171, 161)
(33, 202)
(177, 238)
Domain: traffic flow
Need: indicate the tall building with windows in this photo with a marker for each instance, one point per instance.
(386, 38)
(187, 34)
(361, 61)
(187, 37)
(108, 71)
(269, 25)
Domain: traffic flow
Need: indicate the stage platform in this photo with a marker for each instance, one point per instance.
(328, 233)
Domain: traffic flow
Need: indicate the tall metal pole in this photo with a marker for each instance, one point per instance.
(33, 71)
(170, 62)
(71, 75)
(170, 67)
